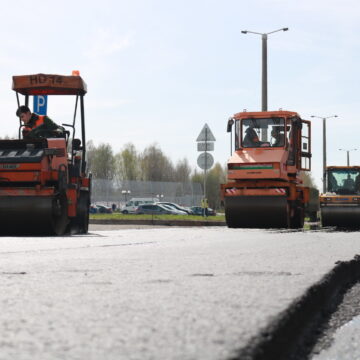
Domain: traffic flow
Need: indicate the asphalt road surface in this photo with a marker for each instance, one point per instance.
(155, 293)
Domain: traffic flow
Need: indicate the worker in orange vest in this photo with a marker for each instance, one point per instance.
(37, 125)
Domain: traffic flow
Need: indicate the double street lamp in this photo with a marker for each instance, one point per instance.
(324, 146)
(347, 155)
(125, 193)
(264, 37)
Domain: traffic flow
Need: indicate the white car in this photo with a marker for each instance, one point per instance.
(132, 204)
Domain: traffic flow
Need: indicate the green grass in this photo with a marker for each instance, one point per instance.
(155, 217)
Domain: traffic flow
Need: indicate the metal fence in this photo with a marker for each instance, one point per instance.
(109, 192)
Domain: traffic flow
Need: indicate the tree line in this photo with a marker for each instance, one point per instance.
(151, 164)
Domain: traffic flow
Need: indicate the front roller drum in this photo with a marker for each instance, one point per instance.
(257, 212)
(33, 215)
(341, 216)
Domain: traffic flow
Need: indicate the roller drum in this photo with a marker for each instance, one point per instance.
(341, 216)
(30, 215)
(257, 211)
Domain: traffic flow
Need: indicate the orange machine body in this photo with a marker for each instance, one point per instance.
(43, 181)
(264, 171)
(36, 171)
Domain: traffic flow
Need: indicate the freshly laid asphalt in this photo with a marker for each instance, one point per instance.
(341, 333)
(156, 293)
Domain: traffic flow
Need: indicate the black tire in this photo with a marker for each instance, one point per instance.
(297, 221)
(313, 216)
(125, 212)
(59, 218)
(80, 224)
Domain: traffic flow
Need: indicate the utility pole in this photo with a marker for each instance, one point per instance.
(324, 147)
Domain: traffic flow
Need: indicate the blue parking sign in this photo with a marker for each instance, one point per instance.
(40, 104)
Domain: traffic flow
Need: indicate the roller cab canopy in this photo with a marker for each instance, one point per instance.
(49, 84)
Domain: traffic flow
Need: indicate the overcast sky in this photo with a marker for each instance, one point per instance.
(158, 70)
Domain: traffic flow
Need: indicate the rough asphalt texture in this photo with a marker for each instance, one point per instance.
(154, 293)
(340, 339)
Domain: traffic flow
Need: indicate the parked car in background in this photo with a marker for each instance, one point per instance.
(156, 209)
(198, 210)
(176, 206)
(179, 212)
(132, 204)
(93, 209)
(102, 209)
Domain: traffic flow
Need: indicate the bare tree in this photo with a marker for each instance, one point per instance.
(155, 166)
(102, 164)
(127, 163)
(7, 137)
(182, 171)
(214, 177)
(197, 177)
(308, 179)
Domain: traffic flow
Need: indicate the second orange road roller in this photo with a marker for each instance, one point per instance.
(264, 188)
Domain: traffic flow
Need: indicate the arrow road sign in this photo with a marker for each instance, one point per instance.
(206, 134)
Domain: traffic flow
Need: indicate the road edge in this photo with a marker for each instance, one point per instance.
(157, 222)
(294, 332)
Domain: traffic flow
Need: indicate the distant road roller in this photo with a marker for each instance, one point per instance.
(44, 185)
(264, 188)
(340, 205)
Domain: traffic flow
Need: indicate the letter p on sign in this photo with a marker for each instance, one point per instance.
(40, 104)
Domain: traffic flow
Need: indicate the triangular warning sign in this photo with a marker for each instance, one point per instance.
(206, 134)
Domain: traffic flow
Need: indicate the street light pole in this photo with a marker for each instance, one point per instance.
(264, 95)
(348, 155)
(125, 193)
(264, 92)
(324, 146)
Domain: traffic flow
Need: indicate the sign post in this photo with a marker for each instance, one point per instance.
(205, 160)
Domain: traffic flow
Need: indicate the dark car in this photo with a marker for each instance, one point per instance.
(102, 209)
(198, 210)
(156, 209)
(93, 209)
